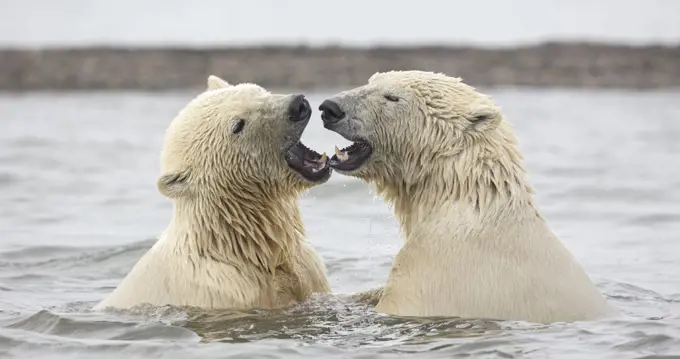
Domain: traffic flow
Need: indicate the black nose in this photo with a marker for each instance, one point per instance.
(299, 109)
(331, 112)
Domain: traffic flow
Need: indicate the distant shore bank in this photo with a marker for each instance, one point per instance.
(580, 65)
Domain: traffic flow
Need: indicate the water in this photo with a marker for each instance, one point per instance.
(79, 207)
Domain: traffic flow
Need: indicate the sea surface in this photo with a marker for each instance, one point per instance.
(79, 206)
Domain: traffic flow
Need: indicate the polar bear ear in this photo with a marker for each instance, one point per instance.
(484, 117)
(174, 184)
(215, 82)
(374, 77)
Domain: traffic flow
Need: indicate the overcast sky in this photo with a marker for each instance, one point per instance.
(356, 22)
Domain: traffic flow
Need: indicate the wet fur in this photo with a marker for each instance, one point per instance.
(475, 244)
(236, 238)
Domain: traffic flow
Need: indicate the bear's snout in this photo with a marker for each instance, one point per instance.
(299, 109)
(331, 112)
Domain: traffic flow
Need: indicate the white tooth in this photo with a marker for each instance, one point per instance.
(342, 156)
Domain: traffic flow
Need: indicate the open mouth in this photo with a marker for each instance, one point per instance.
(352, 157)
(308, 163)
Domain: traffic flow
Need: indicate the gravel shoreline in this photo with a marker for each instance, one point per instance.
(580, 65)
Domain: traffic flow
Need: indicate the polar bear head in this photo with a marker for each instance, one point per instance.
(239, 141)
(415, 127)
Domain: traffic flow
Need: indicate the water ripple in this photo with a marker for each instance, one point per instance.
(77, 185)
(63, 257)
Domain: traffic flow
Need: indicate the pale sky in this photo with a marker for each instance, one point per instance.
(355, 22)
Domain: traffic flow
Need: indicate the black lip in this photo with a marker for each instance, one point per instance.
(359, 152)
(302, 159)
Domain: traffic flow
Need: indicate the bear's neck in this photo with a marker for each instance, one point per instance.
(253, 231)
(468, 186)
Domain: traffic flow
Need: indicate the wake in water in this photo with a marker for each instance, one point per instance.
(337, 322)
(324, 321)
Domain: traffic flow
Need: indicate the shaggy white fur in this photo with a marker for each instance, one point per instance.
(475, 245)
(236, 238)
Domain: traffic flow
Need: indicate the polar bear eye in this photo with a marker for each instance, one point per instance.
(392, 98)
(237, 127)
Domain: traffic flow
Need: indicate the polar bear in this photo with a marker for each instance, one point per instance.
(475, 244)
(233, 166)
